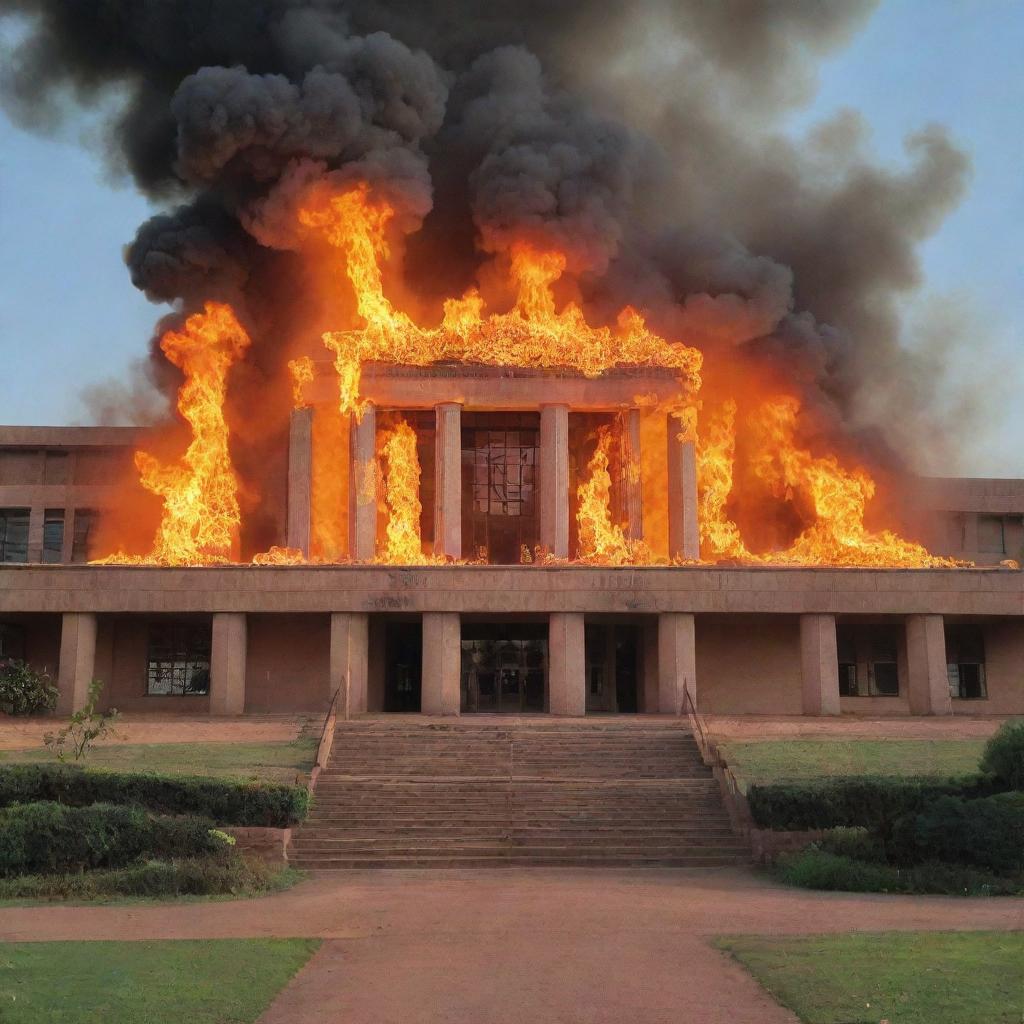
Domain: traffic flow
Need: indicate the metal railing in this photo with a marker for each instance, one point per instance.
(687, 707)
(323, 750)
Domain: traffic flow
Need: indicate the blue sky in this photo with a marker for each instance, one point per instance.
(69, 315)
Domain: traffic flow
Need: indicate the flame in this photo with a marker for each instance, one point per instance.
(279, 556)
(303, 371)
(401, 480)
(201, 517)
(716, 453)
(601, 540)
(532, 333)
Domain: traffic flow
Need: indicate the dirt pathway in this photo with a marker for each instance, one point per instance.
(520, 946)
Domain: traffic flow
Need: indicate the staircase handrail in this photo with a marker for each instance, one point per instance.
(708, 751)
(323, 750)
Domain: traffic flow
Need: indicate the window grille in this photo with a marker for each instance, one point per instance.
(178, 659)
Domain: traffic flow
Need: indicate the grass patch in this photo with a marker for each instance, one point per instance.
(905, 978)
(253, 762)
(221, 981)
(799, 760)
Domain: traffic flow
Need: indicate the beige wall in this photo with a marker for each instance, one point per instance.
(748, 665)
(1004, 671)
(288, 662)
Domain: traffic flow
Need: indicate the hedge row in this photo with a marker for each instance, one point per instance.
(47, 838)
(222, 801)
(874, 802)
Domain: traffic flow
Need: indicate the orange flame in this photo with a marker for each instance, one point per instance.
(201, 516)
(402, 497)
(716, 453)
(303, 371)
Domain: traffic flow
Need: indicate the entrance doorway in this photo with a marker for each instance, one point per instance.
(612, 652)
(504, 667)
(403, 660)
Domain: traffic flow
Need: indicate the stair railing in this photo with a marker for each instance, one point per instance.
(323, 750)
(698, 726)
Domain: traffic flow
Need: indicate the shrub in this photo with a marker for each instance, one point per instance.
(987, 833)
(23, 691)
(233, 875)
(817, 869)
(48, 837)
(85, 727)
(223, 801)
(1004, 755)
(856, 843)
(872, 802)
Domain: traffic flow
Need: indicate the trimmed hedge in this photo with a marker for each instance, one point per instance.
(223, 801)
(46, 838)
(872, 802)
(1004, 755)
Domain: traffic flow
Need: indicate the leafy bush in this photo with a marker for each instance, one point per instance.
(1004, 755)
(233, 875)
(49, 837)
(817, 869)
(223, 801)
(857, 843)
(872, 802)
(85, 727)
(986, 833)
(23, 691)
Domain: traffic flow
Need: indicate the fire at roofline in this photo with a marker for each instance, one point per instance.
(565, 185)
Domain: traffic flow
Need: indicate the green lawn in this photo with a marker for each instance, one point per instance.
(903, 978)
(269, 762)
(776, 760)
(220, 981)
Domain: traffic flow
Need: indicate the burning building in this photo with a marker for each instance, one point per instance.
(460, 425)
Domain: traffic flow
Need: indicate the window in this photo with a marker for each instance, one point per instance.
(846, 645)
(53, 536)
(13, 534)
(81, 541)
(883, 669)
(178, 658)
(991, 536)
(965, 662)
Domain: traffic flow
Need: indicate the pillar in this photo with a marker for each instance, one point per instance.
(227, 664)
(349, 661)
(36, 519)
(554, 479)
(363, 486)
(300, 479)
(677, 660)
(448, 480)
(442, 663)
(928, 682)
(649, 704)
(683, 532)
(631, 451)
(77, 661)
(819, 665)
(567, 673)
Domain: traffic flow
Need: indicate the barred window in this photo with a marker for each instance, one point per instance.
(178, 658)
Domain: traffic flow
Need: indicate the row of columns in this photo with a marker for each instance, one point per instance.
(554, 502)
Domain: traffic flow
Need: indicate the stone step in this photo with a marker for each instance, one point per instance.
(499, 860)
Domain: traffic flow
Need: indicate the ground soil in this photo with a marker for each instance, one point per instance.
(848, 727)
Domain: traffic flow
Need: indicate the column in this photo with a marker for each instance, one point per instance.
(77, 661)
(649, 705)
(448, 480)
(363, 486)
(554, 479)
(349, 661)
(677, 660)
(442, 663)
(300, 479)
(928, 683)
(227, 664)
(634, 497)
(567, 674)
(36, 519)
(683, 533)
(819, 665)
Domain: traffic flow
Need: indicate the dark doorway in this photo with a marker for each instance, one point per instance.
(403, 647)
(500, 516)
(504, 667)
(613, 667)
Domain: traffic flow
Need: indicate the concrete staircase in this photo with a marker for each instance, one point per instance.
(415, 793)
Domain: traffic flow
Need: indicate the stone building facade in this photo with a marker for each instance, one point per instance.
(562, 638)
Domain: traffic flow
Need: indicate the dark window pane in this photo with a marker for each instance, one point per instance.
(81, 543)
(178, 660)
(886, 678)
(14, 535)
(53, 536)
(848, 680)
(990, 535)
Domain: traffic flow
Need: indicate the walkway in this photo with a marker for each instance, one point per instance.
(520, 946)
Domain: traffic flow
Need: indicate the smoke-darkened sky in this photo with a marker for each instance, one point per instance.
(69, 314)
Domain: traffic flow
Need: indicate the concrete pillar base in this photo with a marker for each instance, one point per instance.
(77, 661)
(349, 662)
(442, 663)
(677, 660)
(567, 674)
(819, 665)
(928, 683)
(227, 664)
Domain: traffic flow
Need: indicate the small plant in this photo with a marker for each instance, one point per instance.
(222, 837)
(23, 691)
(85, 727)
(1004, 754)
